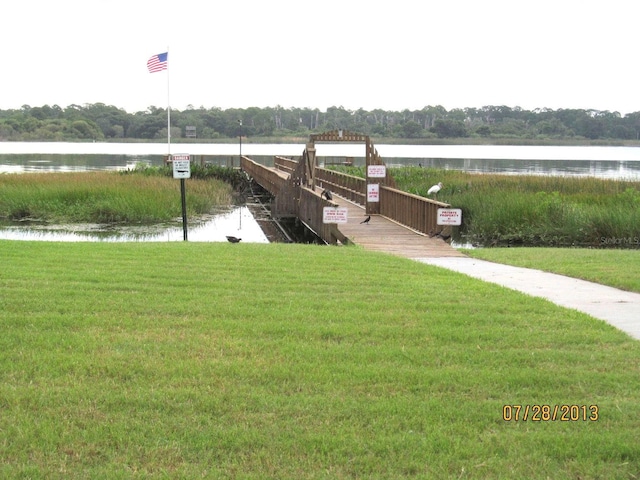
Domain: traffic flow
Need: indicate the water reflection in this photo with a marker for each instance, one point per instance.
(87, 163)
(620, 170)
(237, 221)
(597, 161)
(73, 163)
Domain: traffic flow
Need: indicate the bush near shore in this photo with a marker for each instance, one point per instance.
(532, 210)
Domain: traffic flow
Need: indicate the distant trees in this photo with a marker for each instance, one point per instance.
(104, 122)
(449, 128)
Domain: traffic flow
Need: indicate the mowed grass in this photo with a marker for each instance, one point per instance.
(616, 268)
(188, 360)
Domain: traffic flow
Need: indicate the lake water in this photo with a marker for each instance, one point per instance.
(602, 162)
(235, 221)
(22, 157)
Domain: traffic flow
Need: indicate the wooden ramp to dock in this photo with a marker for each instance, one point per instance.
(382, 234)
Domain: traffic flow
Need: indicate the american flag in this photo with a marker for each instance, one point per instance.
(158, 62)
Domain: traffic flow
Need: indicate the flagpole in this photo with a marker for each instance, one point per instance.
(168, 110)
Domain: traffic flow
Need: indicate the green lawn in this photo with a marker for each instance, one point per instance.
(616, 268)
(188, 360)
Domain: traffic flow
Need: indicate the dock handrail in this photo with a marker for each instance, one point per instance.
(348, 186)
(413, 211)
(272, 180)
(293, 184)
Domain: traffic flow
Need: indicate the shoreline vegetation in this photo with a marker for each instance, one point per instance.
(531, 210)
(498, 210)
(148, 360)
(144, 195)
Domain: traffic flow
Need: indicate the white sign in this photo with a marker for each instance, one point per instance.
(373, 192)
(376, 171)
(449, 216)
(334, 215)
(181, 165)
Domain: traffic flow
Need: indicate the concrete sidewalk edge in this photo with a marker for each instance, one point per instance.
(616, 307)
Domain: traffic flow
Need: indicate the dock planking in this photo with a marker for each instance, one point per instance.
(382, 234)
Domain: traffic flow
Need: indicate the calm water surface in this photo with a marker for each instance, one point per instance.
(237, 221)
(603, 162)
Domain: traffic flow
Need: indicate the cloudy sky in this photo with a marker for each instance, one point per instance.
(393, 55)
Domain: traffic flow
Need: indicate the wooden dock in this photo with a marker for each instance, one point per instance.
(382, 234)
(401, 223)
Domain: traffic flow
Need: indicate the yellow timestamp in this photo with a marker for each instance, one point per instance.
(550, 413)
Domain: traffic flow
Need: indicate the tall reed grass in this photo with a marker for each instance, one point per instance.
(534, 210)
(105, 197)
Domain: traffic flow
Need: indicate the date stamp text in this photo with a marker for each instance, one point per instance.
(550, 413)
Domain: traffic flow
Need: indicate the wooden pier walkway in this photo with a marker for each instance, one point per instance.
(382, 234)
(400, 223)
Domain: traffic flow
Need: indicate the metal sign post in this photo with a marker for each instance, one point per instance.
(182, 170)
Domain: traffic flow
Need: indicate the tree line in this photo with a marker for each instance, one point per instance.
(100, 122)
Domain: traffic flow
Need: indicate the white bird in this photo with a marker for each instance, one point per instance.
(435, 189)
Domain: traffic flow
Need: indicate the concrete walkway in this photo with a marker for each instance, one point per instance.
(616, 307)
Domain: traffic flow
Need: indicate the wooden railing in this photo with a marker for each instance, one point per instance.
(285, 164)
(272, 180)
(347, 186)
(413, 211)
(294, 198)
(311, 214)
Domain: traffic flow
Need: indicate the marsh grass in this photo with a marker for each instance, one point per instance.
(534, 210)
(104, 197)
(184, 360)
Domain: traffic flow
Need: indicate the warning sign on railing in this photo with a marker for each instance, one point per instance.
(373, 192)
(376, 171)
(449, 216)
(334, 215)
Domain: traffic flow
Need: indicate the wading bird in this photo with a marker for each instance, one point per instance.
(233, 239)
(435, 189)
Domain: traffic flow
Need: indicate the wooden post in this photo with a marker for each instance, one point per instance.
(372, 208)
(310, 166)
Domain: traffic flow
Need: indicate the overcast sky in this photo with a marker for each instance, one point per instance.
(392, 55)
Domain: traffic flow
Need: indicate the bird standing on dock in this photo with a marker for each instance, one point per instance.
(366, 220)
(233, 239)
(327, 194)
(435, 189)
